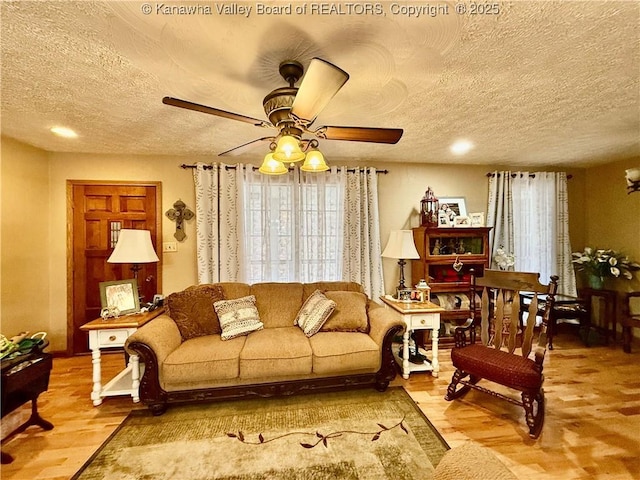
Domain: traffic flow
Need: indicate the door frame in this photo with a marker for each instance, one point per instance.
(70, 232)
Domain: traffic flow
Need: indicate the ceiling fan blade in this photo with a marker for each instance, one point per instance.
(360, 134)
(319, 85)
(247, 146)
(176, 102)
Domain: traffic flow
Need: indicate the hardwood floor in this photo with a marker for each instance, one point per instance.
(592, 426)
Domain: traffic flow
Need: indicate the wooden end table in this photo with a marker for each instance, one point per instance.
(417, 316)
(110, 333)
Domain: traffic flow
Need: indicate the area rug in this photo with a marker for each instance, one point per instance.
(358, 434)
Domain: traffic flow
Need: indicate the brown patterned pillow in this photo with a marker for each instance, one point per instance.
(350, 314)
(192, 310)
(314, 313)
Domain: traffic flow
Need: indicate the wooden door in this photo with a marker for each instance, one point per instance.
(98, 212)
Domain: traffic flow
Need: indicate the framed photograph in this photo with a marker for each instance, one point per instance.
(122, 294)
(443, 219)
(410, 295)
(453, 206)
(461, 221)
(477, 219)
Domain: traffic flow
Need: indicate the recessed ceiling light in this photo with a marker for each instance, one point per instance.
(461, 147)
(64, 132)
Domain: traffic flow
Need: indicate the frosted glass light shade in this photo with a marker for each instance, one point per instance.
(271, 166)
(134, 246)
(314, 162)
(288, 150)
(401, 246)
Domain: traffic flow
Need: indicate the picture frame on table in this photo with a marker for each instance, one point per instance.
(122, 294)
(461, 221)
(409, 295)
(457, 205)
(477, 219)
(443, 219)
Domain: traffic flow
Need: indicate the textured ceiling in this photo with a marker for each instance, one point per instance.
(538, 83)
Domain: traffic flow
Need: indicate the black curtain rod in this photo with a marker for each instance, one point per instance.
(514, 175)
(232, 167)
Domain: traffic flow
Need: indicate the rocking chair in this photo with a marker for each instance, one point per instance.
(503, 356)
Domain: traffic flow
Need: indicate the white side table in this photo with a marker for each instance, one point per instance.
(111, 333)
(417, 316)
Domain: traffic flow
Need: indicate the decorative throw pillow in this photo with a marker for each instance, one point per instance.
(314, 313)
(350, 314)
(238, 317)
(192, 310)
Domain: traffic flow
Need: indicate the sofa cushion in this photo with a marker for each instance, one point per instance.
(238, 317)
(202, 359)
(339, 352)
(278, 303)
(498, 366)
(275, 351)
(309, 288)
(314, 313)
(235, 289)
(192, 310)
(350, 314)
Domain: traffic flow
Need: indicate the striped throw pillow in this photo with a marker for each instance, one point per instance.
(238, 317)
(315, 311)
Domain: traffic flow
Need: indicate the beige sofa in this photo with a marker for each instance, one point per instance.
(187, 358)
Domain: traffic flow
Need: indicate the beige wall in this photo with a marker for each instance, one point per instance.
(33, 271)
(24, 246)
(613, 216)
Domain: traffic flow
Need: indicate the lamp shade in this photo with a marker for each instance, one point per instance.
(401, 246)
(271, 166)
(314, 162)
(288, 150)
(134, 246)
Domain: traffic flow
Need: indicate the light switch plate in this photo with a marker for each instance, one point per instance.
(170, 247)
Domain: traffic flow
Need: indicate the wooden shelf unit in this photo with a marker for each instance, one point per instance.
(439, 249)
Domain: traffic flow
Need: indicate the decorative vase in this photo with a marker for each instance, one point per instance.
(596, 282)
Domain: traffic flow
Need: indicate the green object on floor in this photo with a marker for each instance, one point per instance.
(353, 434)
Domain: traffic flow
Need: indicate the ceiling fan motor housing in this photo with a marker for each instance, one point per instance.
(277, 105)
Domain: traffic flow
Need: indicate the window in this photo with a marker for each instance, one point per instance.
(293, 228)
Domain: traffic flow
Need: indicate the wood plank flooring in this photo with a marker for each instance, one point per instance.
(592, 427)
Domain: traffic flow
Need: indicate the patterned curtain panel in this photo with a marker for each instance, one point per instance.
(361, 261)
(218, 224)
(500, 214)
(567, 283)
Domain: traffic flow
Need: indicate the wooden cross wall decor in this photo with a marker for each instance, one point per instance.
(179, 213)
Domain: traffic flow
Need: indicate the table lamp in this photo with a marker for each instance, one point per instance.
(134, 247)
(401, 246)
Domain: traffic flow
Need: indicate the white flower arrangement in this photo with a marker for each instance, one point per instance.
(604, 263)
(504, 260)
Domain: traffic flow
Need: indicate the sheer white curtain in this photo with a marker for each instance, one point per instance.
(361, 260)
(296, 227)
(293, 226)
(219, 228)
(535, 211)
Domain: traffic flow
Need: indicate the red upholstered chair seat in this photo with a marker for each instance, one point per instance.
(498, 366)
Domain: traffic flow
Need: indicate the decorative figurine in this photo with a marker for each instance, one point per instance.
(436, 248)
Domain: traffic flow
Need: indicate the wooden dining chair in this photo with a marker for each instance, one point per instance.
(506, 354)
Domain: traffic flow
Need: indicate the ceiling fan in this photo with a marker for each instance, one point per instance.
(292, 110)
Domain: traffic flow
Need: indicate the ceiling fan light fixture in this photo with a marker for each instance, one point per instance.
(288, 150)
(314, 162)
(271, 166)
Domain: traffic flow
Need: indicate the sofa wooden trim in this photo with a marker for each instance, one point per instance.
(157, 399)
